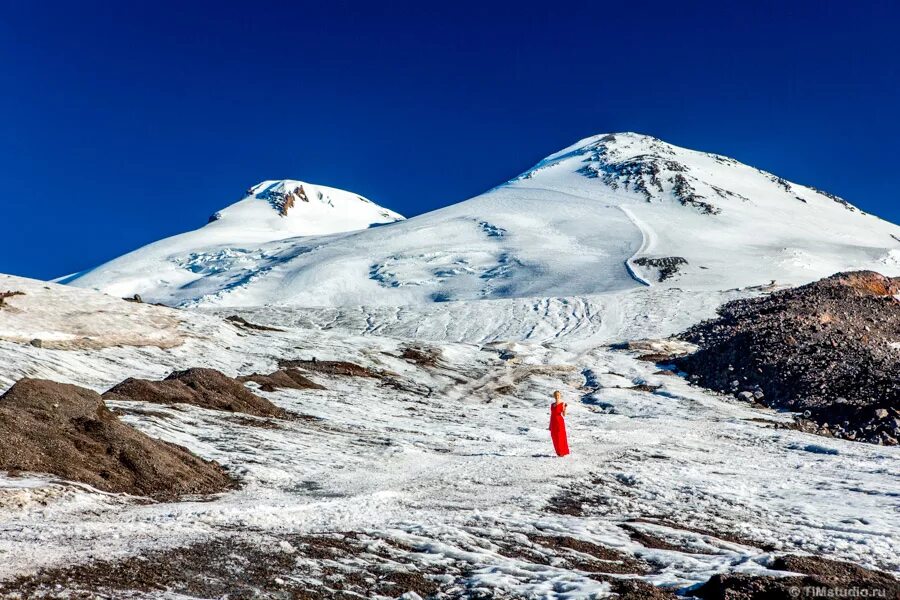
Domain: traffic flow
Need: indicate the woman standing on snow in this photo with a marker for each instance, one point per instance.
(558, 424)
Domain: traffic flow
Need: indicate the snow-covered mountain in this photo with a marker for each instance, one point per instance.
(278, 209)
(609, 213)
(397, 434)
(269, 211)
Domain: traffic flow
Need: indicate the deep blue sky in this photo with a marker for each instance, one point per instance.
(124, 122)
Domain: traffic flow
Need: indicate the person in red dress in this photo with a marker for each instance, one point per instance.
(558, 425)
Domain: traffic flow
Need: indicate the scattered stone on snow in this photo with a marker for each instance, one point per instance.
(331, 367)
(819, 577)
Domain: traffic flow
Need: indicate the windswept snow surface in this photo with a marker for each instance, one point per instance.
(576, 224)
(452, 461)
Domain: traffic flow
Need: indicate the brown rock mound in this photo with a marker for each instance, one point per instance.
(331, 367)
(290, 379)
(426, 357)
(206, 388)
(821, 578)
(66, 430)
(827, 350)
(867, 283)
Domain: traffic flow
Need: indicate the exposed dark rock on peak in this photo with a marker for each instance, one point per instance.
(837, 199)
(68, 431)
(648, 174)
(283, 198)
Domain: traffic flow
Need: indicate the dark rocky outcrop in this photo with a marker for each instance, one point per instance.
(283, 198)
(635, 589)
(667, 266)
(8, 294)
(68, 431)
(821, 578)
(688, 196)
(206, 388)
(241, 321)
(290, 379)
(645, 174)
(828, 350)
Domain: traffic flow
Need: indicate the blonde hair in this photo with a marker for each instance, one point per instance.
(557, 394)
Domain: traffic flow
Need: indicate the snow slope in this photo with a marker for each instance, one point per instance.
(235, 237)
(450, 466)
(578, 223)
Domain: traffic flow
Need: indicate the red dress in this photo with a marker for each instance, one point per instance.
(558, 429)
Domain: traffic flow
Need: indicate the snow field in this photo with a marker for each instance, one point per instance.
(455, 462)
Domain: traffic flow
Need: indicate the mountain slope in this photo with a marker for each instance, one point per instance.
(270, 211)
(610, 213)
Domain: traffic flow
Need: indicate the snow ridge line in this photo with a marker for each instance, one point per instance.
(647, 242)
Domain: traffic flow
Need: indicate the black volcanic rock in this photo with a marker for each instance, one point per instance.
(668, 266)
(828, 350)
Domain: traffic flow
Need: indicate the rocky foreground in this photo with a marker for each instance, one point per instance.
(67, 431)
(829, 350)
(229, 567)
